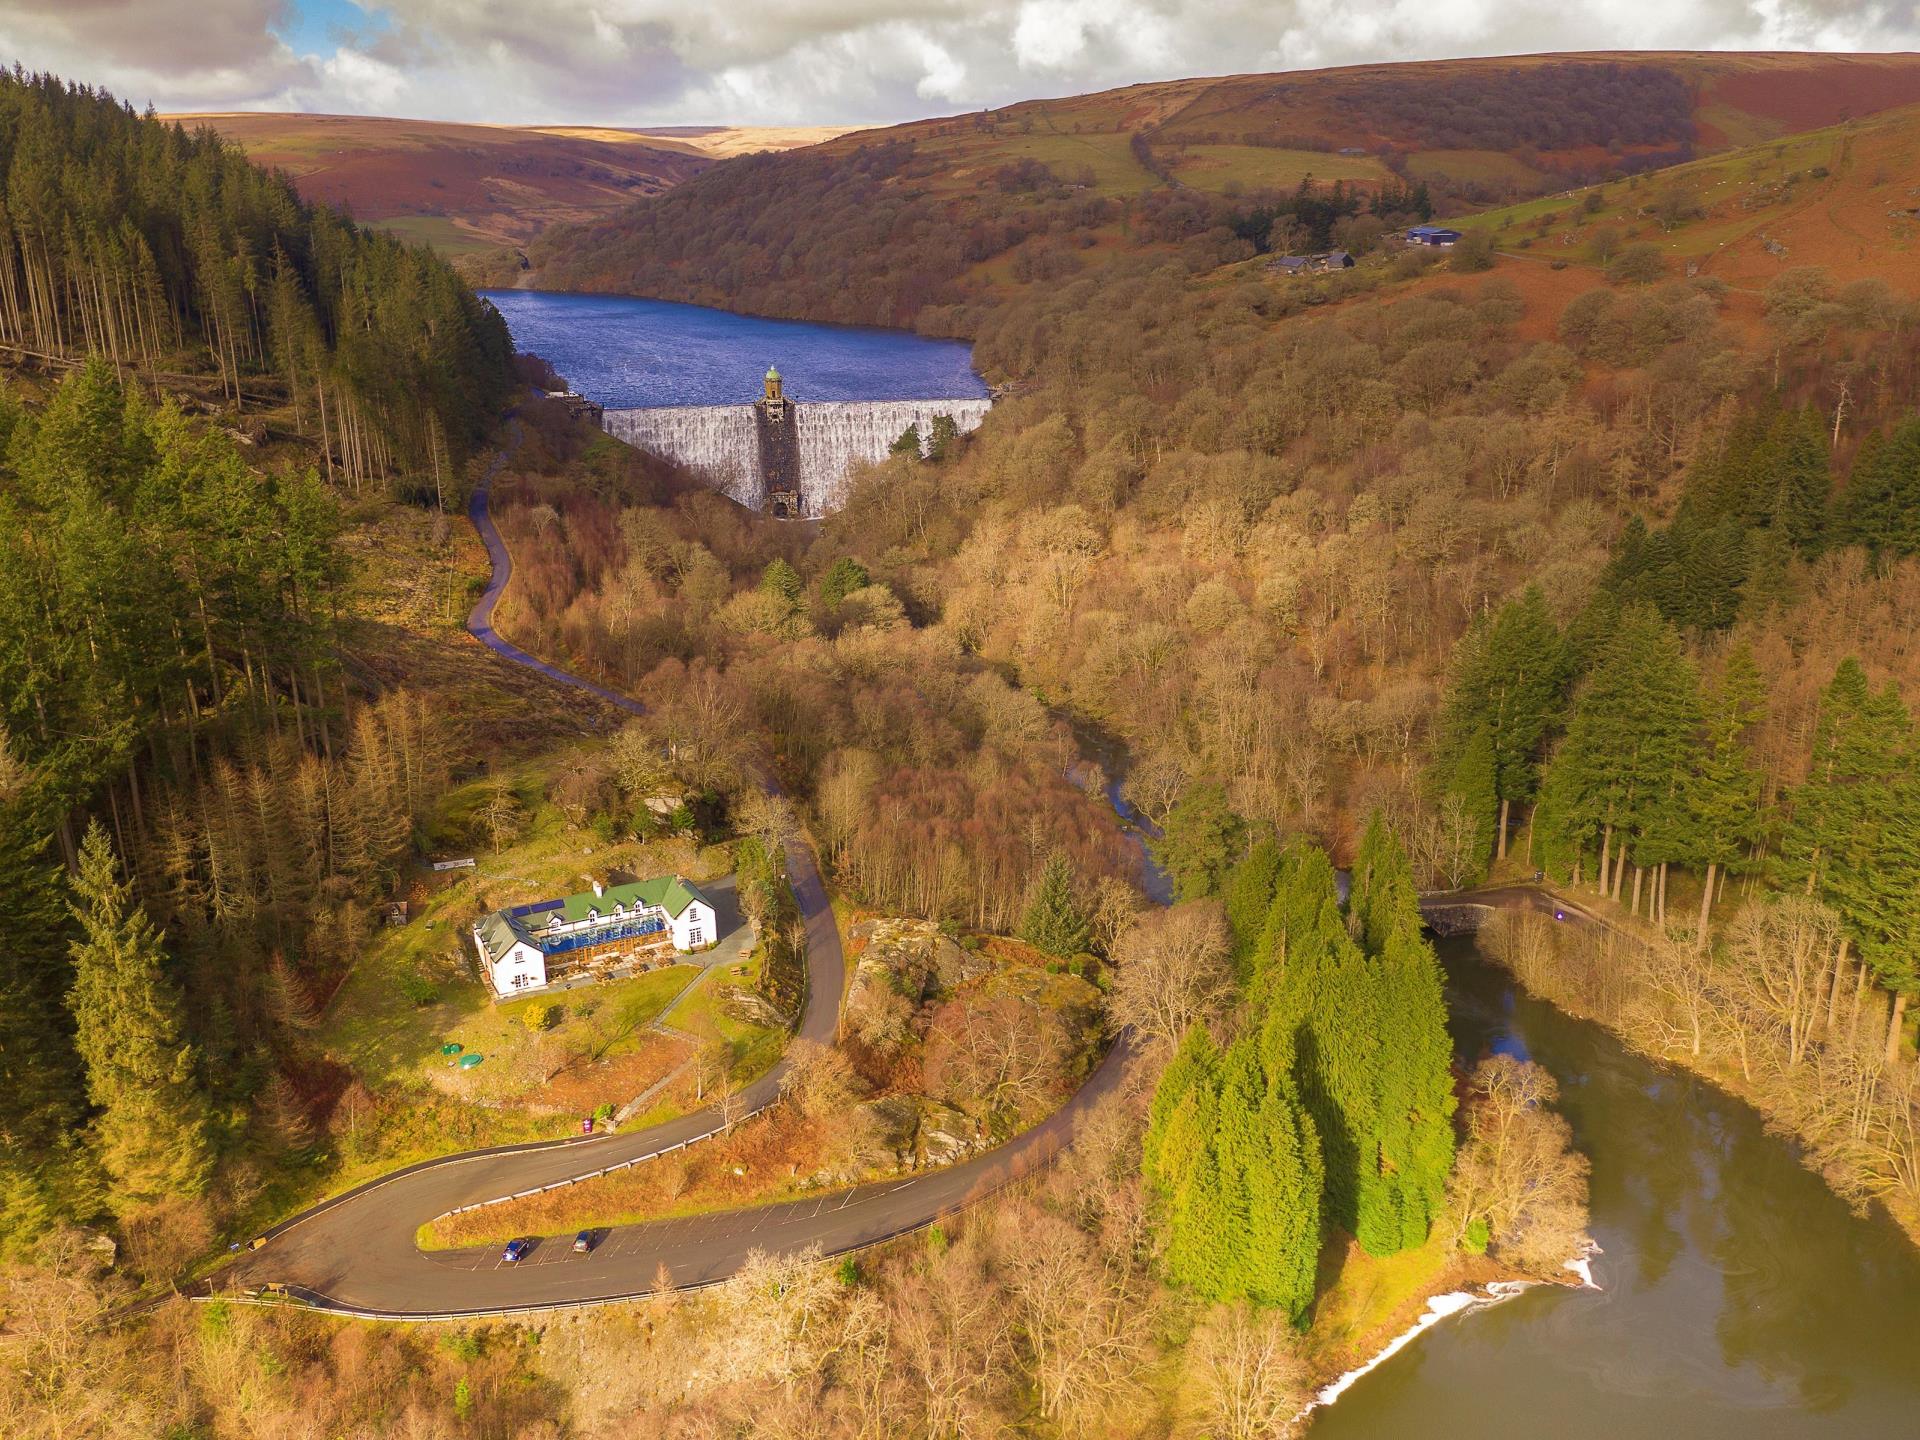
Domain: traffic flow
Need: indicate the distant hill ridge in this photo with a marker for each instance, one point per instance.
(913, 224)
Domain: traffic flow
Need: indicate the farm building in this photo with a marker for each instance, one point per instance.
(1432, 235)
(1313, 264)
(611, 928)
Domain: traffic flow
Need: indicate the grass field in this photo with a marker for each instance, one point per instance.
(449, 237)
(1107, 155)
(1255, 167)
(1490, 166)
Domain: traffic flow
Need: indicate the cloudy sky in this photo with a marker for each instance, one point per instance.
(822, 61)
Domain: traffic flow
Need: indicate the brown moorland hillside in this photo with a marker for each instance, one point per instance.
(1477, 130)
(1842, 197)
(467, 188)
(890, 226)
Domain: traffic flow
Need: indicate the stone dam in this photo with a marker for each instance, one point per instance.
(789, 458)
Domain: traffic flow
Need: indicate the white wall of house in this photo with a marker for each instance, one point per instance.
(522, 968)
(694, 926)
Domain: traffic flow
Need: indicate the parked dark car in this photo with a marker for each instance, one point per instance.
(583, 1242)
(515, 1250)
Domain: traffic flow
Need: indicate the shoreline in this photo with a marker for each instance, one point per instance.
(1723, 1079)
(1439, 1302)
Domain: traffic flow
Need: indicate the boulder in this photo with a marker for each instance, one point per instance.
(886, 1130)
(954, 965)
(946, 1134)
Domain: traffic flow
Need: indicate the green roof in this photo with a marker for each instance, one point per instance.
(772, 374)
(503, 927)
(669, 892)
(500, 934)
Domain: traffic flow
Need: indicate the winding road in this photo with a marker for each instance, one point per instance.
(355, 1253)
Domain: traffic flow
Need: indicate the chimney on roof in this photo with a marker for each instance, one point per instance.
(598, 889)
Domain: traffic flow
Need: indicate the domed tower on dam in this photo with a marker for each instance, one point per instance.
(778, 430)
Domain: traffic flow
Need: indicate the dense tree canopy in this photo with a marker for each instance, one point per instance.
(124, 237)
(147, 578)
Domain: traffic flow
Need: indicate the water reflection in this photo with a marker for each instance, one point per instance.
(1742, 1299)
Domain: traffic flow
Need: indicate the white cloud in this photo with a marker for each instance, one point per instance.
(772, 61)
(363, 83)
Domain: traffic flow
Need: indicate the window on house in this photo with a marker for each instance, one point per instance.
(694, 936)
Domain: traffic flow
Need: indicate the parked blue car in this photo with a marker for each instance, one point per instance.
(583, 1242)
(515, 1249)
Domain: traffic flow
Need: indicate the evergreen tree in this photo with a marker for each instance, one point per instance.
(1266, 1161)
(1234, 1161)
(908, 442)
(40, 1075)
(781, 580)
(1798, 482)
(1416, 1102)
(1630, 745)
(1304, 918)
(843, 577)
(1472, 782)
(1248, 894)
(1507, 693)
(1200, 841)
(1363, 1032)
(1283, 1260)
(1887, 913)
(1880, 506)
(133, 240)
(943, 437)
(152, 1133)
(1725, 791)
(1856, 760)
(1383, 900)
(1165, 1155)
(1054, 922)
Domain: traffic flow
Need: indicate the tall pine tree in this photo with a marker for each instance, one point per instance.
(152, 1132)
(1506, 694)
(1725, 791)
(1054, 922)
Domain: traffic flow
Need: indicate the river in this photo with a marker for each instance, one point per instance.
(628, 353)
(1740, 1298)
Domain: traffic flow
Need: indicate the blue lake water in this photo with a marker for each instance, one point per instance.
(628, 353)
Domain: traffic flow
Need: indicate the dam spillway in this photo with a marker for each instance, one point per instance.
(751, 453)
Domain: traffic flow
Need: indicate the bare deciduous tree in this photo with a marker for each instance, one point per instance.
(1171, 970)
(1781, 952)
(1084, 1324)
(1248, 1379)
(999, 1056)
(818, 1081)
(1518, 1171)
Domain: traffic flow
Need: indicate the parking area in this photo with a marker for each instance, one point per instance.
(736, 936)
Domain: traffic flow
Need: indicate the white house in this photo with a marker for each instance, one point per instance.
(529, 947)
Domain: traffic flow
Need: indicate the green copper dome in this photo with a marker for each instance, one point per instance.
(772, 374)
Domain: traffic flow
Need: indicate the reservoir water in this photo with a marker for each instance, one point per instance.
(1740, 1299)
(628, 353)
